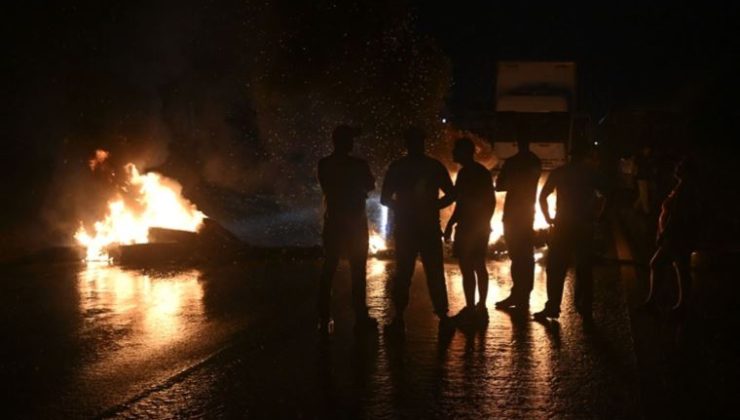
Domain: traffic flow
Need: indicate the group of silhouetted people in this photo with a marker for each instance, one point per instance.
(416, 187)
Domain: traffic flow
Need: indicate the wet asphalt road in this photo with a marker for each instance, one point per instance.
(240, 341)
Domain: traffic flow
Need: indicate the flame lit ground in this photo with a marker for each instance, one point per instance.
(240, 340)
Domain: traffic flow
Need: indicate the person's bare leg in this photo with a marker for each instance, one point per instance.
(682, 266)
(656, 264)
(325, 281)
(468, 278)
(482, 276)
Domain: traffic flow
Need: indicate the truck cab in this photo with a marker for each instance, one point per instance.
(537, 100)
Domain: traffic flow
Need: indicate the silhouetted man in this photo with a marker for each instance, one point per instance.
(411, 190)
(476, 202)
(576, 185)
(345, 181)
(519, 177)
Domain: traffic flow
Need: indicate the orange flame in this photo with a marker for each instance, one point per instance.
(158, 204)
(540, 223)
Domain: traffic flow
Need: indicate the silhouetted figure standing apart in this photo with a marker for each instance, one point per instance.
(645, 178)
(476, 202)
(519, 177)
(571, 237)
(345, 181)
(411, 190)
(677, 236)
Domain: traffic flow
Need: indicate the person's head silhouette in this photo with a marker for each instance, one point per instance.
(463, 151)
(343, 137)
(414, 138)
(522, 144)
(578, 153)
(522, 137)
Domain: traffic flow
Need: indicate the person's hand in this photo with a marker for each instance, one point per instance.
(448, 233)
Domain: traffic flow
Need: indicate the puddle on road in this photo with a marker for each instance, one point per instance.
(148, 309)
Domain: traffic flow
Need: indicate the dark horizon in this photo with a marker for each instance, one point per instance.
(241, 91)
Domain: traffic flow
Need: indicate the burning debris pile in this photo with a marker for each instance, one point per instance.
(148, 219)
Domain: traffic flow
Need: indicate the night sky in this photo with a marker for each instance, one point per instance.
(231, 94)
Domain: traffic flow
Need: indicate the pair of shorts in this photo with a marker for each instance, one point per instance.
(472, 245)
(345, 238)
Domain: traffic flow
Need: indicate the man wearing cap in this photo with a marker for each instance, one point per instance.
(345, 181)
(411, 190)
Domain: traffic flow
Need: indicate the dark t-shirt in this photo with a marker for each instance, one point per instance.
(345, 181)
(519, 177)
(415, 181)
(476, 199)
(576, 187)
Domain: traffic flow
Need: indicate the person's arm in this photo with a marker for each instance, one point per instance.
(450, 223)
(321, 176)
(502, 180)
(491, 191)
(368, 178)
(447, 189)
(547, 189)
(388, 191)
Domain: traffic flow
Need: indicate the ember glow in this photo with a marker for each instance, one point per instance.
(146, 201)
(100, 157)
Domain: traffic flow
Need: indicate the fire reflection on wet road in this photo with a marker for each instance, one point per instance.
(156, 309)
(245, 337)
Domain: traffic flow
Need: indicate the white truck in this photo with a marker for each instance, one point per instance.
(537, 100)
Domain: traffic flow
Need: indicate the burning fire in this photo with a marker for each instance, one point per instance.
(157, 202)
(497, 225)
(376, 243)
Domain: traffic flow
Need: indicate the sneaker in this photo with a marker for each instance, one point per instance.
(396, 327)
(546, 313)
(326, 326)
(511, 302)
(466, 314)
(481, 312)
(506, 303)
(584, 310)
(446, 324)
(366, 323)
